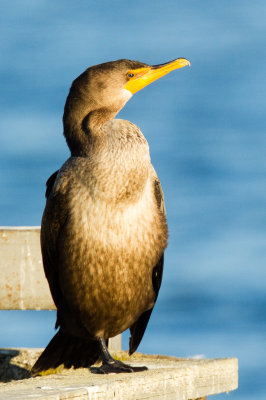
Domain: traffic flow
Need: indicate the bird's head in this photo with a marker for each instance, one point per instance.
(113, 83)
(101, 91)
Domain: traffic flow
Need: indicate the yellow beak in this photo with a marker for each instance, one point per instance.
(141, 77)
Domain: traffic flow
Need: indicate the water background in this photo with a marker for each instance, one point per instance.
(206, 130)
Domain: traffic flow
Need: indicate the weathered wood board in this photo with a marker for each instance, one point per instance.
(23, 285)
(168, 378)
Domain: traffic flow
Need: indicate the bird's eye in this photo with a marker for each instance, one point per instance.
(130, 75)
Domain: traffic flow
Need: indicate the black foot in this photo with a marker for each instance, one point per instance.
(116, 367)
(112, 366)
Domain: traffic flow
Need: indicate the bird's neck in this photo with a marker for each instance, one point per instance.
(81, 132)
(116, 151)
(84, 125)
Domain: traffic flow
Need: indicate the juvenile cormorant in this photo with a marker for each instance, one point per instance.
(104, 228)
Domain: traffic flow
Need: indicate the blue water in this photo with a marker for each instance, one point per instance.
(206, 128)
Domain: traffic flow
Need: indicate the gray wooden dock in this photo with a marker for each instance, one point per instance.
(23, 286)
(168, 378)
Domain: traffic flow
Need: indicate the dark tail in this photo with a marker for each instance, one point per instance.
(69, 351)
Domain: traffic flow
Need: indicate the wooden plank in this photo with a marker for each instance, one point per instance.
(23, 285)
(168, 378)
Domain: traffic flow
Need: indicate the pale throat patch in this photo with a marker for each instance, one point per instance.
(126, 94)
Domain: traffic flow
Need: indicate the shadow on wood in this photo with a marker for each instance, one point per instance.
(9, 365)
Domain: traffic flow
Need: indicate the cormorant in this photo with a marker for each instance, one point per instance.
(104, 228)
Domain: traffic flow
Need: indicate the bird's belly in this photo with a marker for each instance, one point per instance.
(108, 261)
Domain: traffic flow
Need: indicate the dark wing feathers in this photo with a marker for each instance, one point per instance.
(53, 219)
(158, 191)
(50, 183)
(138, 328)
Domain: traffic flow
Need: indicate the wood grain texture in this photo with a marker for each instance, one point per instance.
(167, 379)
(23, 285)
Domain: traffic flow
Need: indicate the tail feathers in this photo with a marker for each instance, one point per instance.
(68, 351)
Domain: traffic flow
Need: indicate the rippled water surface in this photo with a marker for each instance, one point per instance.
(206, 129)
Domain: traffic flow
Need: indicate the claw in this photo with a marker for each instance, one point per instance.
(116, 367)
(112, 366)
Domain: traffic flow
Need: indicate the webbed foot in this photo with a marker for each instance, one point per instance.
(112, 366)
(116, 367)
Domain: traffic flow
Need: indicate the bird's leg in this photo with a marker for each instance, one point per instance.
(110, 365)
